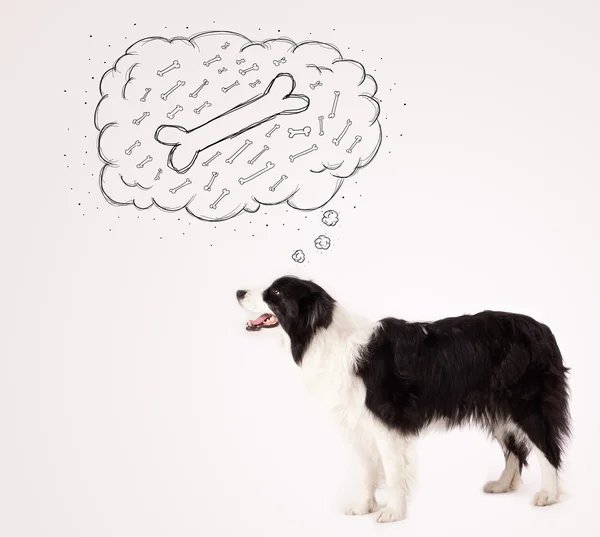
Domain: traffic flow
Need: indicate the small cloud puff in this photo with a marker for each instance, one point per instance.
(298, 256)
(322, 242)
(330, 218)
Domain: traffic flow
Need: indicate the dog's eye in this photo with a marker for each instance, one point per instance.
(275, 291)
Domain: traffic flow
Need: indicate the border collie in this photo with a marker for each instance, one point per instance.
(387, 381)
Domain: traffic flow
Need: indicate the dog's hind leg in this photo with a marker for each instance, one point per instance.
(515, 450)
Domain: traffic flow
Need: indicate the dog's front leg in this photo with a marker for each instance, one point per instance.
(396, 457)
(368, 474)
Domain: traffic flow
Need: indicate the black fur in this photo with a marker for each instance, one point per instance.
(491, 368)
(302, 308)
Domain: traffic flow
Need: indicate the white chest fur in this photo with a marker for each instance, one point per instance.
(328, 367)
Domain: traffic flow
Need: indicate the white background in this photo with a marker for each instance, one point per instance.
(132, 401)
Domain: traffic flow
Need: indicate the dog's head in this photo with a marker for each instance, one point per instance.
(300, 307)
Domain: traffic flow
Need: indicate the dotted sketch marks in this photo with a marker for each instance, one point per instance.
(290, 189)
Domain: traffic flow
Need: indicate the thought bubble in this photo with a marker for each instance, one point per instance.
(298, 256)
(322, 242)
(330, 218)
(218, 124)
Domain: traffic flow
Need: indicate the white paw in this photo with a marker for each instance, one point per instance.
(498, 487)
(361, 508)
(545, 497)
(389, 514)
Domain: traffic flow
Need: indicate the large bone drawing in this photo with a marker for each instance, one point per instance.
(277, 99)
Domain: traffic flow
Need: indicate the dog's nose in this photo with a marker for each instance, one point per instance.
(240, 294)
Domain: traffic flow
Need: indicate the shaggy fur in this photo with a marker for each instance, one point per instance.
(387, 382)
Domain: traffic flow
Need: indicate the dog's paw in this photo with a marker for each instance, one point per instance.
(545, 497)
(361, 508)
(389, 514)
(498, 487)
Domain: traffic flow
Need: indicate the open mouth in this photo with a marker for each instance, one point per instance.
(266, 320)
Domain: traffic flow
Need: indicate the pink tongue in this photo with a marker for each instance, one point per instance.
(260, 319)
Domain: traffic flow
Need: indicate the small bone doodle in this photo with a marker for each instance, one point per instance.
(209, 185)
(315, 85)
(141, 118)
(254, 84)
(357, 140)
(164, 96)
(305, 152)
(277, 63)
(340, 136)
(174, 112)
(247, 144)
(214, 204)
(207, 162)
(217, 58)
(335, 103)
(281, 180)
(130, 149)
(174, 65)
(225, 45)
(204, 105)
(143, 97)
(158, 173)
(294, 132)
(144, 162)
(239, 62)
(175, 189)
(257, 156)
(275, 127)
(247, 70)
(222, 70)
(268, 166)
(195, 93)
(321, 131)
(225, 90)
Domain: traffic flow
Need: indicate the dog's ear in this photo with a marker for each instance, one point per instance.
(316, 310)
